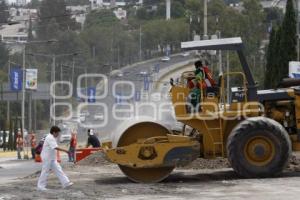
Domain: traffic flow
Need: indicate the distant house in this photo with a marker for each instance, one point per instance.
(21, 2)
(79, 13)
(275, 3)
(120, 13)
(13, 36)
(95, 4)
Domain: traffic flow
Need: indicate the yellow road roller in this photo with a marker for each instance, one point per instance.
(255, 130)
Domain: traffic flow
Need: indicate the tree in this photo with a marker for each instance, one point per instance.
(177, 9)
(288, 40)
(4, 13)
(271, 65)
(30, 34)
(54, 11)
(3, 56)
(100, 18)
(274, 16)
(254, 26)
(34, 4)
(77, 2)
(151, 2)
(161, 33)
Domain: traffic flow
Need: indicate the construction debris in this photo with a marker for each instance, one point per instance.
(94, 160)
(294, 163)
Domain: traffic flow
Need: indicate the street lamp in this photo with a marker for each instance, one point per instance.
(53, 72)
(24, 80)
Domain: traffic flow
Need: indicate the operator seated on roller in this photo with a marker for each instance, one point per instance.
(204, 76)
(92, 140)
(194, 95)
(203, 81)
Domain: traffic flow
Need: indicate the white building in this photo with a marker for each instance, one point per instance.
(14, 36)
(274, 3)
(79, 13)
(22, 14)
(95, 4)
(21, 2)
(120, 13)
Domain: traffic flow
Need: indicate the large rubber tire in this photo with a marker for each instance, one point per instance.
(258, 147)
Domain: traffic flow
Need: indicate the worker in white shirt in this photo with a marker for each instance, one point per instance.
(50, 161)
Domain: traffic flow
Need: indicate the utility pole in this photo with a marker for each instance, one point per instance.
(23, 92)
(52, 81)
(140, 52)
(34, 119)
(205, 20)
(52, 117)
(73, 70)
(30, 112)
(228, 77)
(168, 9)
(8, 102)
(297, 6)
(220, 56)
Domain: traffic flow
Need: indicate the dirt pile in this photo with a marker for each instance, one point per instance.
(218, 163)
(95, 159)
(294, 163)
(202, 163)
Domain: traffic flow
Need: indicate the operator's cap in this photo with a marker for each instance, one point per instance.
(198, 63)
(91, 132)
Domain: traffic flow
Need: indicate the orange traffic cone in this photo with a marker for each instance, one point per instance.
(38, 158)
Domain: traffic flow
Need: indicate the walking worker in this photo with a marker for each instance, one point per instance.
(92, 140)
(19, 145)
(72, 148)
(50, 161)
(32, 144)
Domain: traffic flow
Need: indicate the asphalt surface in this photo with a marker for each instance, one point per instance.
(12, 169)
(136, 76)
(107, 182)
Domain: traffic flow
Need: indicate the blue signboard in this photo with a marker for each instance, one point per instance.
(146, 83)
(91, 94)
(16, 79)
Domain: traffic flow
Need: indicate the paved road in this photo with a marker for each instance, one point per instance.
(13, 169)
(107, 182)
(134, 75)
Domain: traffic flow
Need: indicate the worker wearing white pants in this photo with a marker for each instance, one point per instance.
(50, 161)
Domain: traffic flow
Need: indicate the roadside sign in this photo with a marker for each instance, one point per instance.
(91, 94)
(16, 79)
(31, 79)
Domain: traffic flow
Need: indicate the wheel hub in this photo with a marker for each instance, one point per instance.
(259, 151)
